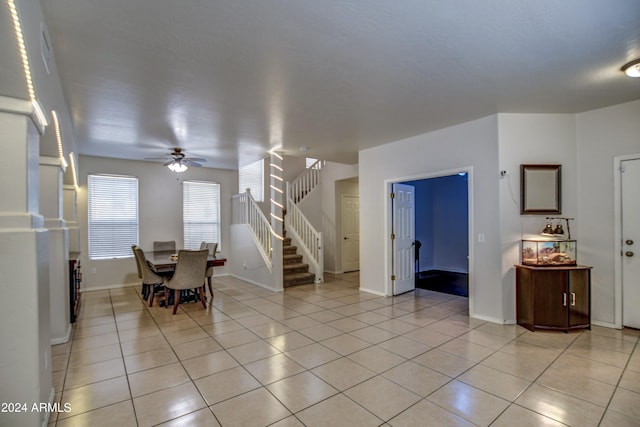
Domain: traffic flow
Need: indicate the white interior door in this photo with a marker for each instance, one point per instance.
(350, 233)
(630, 183)
(403, 238)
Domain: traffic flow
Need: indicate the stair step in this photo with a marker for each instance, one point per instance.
(291, 259)
(299, 279)
(286, 241)
(289, 250)
(295, 268)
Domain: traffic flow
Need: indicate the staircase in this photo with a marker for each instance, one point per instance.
(294, 271)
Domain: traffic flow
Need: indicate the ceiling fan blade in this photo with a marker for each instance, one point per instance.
(196, 159)
(156, 158)
(191, 163)
(169, 162)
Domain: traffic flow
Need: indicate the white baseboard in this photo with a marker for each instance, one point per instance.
(371, 291)
(107, 287)
(604, 324)
(253, 282)
(63, 339)
(492, 319)
(47, 414)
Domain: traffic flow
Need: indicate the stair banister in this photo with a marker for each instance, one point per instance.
(261, 229)
(307, 181)
(307, 237)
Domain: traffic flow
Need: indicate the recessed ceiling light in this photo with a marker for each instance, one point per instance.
(632, 69)
(304, 149)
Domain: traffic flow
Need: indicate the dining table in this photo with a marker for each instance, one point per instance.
(165, 261)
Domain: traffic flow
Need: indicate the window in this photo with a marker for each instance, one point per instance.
(200, 213)
(252, 176)
(310, 161)
(113, 215)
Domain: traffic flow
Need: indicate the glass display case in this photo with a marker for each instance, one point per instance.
(548, 253)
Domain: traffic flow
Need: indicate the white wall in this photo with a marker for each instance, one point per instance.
(331, 192)
(160, 213)
(602, 135)
(248, 263)
(473, 144)
(532, 139)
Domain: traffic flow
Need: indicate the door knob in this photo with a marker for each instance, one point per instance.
(346, 238)
(629, 253)
(629, 242)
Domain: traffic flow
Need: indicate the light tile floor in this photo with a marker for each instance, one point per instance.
(331, 355)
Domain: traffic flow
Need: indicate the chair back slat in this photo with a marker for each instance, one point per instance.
(164, 246)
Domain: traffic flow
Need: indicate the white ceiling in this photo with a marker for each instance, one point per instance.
(229, 79)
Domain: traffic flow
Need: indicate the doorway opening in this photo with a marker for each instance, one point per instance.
(442, 226)
(442, 234)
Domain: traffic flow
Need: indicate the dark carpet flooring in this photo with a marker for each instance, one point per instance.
(444, 281)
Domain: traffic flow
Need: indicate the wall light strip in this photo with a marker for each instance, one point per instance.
(273, 165)
(56, 126)
(74, 172)
(277, 204)
(276, 154)
(23, 50)
(273, 187)
(17, 27)
(277, 177)
(276, 217)
(276, 234)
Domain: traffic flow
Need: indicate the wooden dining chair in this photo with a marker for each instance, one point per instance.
(190, 272)
(151, 282)
(164, 246)
(212, 248)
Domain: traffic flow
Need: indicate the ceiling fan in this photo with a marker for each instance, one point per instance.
(178, 162)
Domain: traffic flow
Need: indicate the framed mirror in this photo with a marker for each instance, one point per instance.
(540, 189)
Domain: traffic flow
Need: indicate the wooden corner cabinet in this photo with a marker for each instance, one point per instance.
(553, 297)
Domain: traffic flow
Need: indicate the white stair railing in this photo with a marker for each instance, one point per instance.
(307, 181)
(245, 210)
(308, 239)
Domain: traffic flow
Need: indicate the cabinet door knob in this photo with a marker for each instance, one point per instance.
(573, 298)
(629, 242)
(564, 299)
(629, 253)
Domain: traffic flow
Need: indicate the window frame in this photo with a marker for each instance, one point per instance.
(189, 241)
(102, 225)
(254, 181)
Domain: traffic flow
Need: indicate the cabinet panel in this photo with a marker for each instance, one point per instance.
(579, 297)
(551, 300)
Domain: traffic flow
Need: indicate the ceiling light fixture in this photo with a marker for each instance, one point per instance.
(177, 166)
(632, 69)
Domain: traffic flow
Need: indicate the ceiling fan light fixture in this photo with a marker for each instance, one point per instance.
(632, 69)
(177, 167)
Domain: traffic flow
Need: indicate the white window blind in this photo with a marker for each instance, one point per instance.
(200, 213)
(252, 176)
(113, 215)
